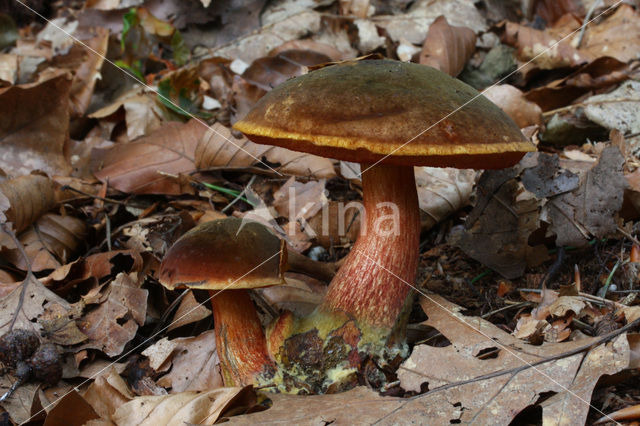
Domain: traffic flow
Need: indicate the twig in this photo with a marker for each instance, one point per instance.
(96, 197)
(587, 19)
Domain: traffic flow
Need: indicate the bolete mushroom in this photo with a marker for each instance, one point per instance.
(388, 116)
(228, 257)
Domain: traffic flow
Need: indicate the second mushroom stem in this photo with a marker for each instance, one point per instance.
(240, 338)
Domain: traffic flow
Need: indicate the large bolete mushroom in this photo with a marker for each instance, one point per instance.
(229, 257)
(389, 116)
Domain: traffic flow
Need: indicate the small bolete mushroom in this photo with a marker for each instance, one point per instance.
(388, 116)
(228, 257)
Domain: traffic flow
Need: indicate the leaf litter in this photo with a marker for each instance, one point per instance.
(137, 175)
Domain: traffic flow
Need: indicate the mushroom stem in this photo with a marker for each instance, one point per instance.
(240, 339)
(371, 285)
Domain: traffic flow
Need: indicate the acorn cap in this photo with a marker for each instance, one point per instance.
(225, 254)
(363, 111)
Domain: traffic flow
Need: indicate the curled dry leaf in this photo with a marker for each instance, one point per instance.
(33, 113)
(442, 191)
(27, 198)
(446, 47)
(512, 101)
(180, 408)
(215, 151)
(86, 75)
(49, 243)
(115, 321)
(107, 392)
(151, 164)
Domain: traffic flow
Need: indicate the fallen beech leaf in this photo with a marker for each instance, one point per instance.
(189, 311)
(214, 151)
(600, 73)
(551, 10)
(33, 113)
(440, 366)
(28, 197)
(338, 224)
(159, 352)
(49, 243)
(610, 37)
(448, 48)
(308, 44)
(617, 109)
(87, 74)
(513, 103)
(107, 392)
(258, 45)
(22, 403)
(590, 209)
(414, 24)
(297, 200)
(561, 306)
(442, 191)
(196, 366)
(32, 306)
(497, 230)
(70, 406)
(150, 164)
(178, 408)
(114, 322)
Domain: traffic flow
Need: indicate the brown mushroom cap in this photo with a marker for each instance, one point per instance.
(215, 256)
(365, 110)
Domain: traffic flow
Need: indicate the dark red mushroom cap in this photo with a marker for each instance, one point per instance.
(364, 111)
(225, 254)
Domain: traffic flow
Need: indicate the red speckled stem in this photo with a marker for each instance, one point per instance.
(240, 339)
(362, 288)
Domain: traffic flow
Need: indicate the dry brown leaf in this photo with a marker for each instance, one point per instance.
(195, 364)
(473, 336)
(214, 151)
(609, 37)
(179, 408)
(114, 322)
(552, 10)
(309, 44)
(297, 200)
(301, 294)
(617, 109)
(446, 47)
(497, 230)
(143, 114)
(31, 114)
(512, 101)
(27, 198)
(189, 311)
(108, 392)
(442, 191)
(23, 403)
(36, 298)
(151, 164)
(600, 73)
(49, 243)
(591, 208)
(337, 224)
(258, 45)
(87, 74)
(70, 406)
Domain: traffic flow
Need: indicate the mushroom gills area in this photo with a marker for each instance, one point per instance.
(240, 338)
(372, 285)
